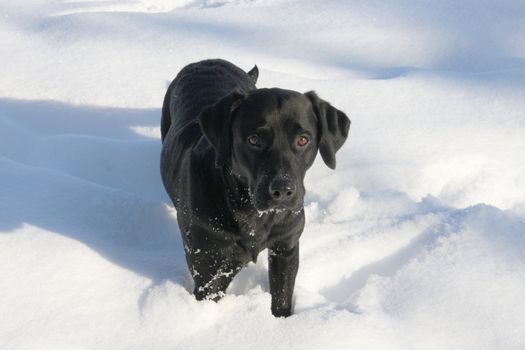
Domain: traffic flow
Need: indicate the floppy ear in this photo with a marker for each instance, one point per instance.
(332, 125)
(215, 123)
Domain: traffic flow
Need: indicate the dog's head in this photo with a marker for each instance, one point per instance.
(270, 137)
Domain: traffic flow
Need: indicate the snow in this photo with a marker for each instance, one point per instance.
(415, 241)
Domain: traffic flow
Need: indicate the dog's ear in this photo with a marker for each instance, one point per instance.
(332, 125)
(254, 74)
(215, 123)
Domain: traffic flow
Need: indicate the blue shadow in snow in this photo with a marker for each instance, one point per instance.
(133, 231)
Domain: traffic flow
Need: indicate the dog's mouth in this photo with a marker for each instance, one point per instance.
(270, 207)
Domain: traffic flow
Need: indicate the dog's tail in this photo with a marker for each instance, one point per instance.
(165, 121)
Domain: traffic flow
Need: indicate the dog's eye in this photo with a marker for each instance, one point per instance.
(253, 140)
(302, 141)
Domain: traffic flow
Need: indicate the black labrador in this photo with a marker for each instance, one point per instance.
(233, 162)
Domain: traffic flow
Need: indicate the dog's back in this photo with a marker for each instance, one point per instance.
(199, 85)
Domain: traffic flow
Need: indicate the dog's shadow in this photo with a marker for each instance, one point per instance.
(87, 174)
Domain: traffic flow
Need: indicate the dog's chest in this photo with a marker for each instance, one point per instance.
(255, 230)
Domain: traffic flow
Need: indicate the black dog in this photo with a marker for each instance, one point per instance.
(233, 162)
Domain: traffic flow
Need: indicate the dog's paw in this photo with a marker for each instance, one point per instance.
(201, 294)
(281, 312)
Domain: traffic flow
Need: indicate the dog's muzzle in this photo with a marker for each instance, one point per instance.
(281, 192)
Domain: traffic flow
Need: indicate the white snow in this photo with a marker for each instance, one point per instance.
(415, 241)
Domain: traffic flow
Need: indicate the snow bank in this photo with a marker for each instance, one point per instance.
(416, 241)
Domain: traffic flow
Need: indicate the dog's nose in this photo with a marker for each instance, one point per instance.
(281, 188)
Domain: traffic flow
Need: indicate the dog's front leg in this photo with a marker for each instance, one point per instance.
(212, 274)
(283, 265)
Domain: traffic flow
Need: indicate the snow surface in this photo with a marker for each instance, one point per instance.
(416, 241)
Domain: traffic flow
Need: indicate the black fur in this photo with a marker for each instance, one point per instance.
(236, 195)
